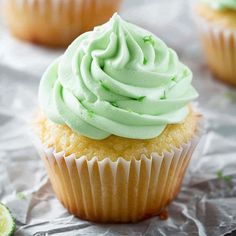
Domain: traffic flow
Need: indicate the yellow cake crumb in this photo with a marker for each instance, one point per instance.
(225, 18)
(62, 138)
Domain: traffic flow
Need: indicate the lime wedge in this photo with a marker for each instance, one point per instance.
(7, 223)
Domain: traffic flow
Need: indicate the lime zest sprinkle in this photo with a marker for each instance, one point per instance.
(90, 113)
(226, 178)
(20, 195)
(174, 79)
(145, 60)
(149, 39)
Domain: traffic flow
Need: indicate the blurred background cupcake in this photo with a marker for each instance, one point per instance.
(56, 22)
(217, 23)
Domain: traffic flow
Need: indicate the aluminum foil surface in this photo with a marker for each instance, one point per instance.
(206, 204)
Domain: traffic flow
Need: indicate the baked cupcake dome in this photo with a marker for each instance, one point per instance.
(117, 131)
(216, 21)
(56, 22)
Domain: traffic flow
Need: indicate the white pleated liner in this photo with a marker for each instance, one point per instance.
(120, 191)
(219, 46)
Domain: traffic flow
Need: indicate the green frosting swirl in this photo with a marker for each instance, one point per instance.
(118, 79)
(221, 4)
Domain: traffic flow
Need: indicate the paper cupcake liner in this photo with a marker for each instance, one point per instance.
(56, 22)
(219, 46)
(118, 191)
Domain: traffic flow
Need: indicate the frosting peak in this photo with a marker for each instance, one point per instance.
(117, 79)
(221, 4)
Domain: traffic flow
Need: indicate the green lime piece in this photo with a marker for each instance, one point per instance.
(7, 223)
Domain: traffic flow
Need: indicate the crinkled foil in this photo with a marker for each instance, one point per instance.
(206, 204)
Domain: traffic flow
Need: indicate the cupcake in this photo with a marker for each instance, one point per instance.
(217, 24)
(56, 22)
(116, 128)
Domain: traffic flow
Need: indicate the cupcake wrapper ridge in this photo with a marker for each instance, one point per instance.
(118, 191)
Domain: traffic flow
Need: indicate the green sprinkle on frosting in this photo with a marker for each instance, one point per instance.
(149, 39)
(90, 113)
(145, 61)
